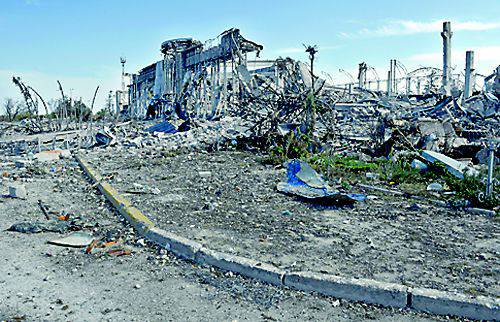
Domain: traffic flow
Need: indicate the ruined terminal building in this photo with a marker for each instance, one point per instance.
(206, 79)
(201, 75)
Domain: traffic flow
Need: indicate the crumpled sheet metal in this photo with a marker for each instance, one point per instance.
(165, 127)
(304, 182)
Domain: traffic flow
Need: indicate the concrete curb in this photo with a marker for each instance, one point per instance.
(361, 290)
(241, 265)
(133, 215)
(446, 303)
(178, 245)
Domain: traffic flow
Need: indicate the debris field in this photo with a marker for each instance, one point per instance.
(391, 180)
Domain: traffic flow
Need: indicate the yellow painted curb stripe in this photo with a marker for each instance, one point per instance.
(133, 215)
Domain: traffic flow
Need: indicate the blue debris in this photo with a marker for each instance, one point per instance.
(165, 127)
(306, 183)
(357, 196)
(103, 139)
(185, 126)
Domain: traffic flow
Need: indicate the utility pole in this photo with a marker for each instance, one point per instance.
(119, 106)
(362, 75)
(110, 102)
(394, 81)
(446, 34)
(389, 81)
(491, 166)
(391, 78)
(469, 73)
(311, 113)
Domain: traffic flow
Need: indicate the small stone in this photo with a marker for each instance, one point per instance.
(435, 187)
(17, 191)
(372, 175)
(204, 174)
(137, 286)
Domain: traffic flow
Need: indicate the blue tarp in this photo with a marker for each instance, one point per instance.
(165, 127)
(304, 182)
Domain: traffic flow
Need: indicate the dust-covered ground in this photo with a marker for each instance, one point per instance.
(228, 201)
(42, 282)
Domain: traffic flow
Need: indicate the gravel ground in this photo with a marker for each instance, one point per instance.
(41, 282)
(235, 208)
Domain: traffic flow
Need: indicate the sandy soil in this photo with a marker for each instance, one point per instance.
(41, 282)
(235, 208)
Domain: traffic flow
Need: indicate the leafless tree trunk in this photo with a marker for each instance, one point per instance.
(31, 104)
(92, 113)
(64, 110)
(44, 105)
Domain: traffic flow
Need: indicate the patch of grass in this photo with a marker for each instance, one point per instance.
(470, 188)
(398, 172)
(347, 163)
(473, 190)
(291, 146)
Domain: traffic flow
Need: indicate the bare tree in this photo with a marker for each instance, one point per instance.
(12, 108)
(92, 111)
(9, 106)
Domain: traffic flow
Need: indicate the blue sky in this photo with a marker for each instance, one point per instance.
(80, 42)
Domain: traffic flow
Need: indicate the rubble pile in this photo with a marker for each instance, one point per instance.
(207, 97)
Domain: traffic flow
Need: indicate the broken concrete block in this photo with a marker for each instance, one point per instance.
(483, 156)
(17, 191)
(21, 163)
(47, 156)
(76, 239)
(455, 167)
(372, 175)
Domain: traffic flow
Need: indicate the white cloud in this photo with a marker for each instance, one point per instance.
(409, 27)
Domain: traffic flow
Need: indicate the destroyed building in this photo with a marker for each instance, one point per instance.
(193, 75)
(262, 169)
(260, 100)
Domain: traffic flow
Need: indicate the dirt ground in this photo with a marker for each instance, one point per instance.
(42, 282)
(228, 201)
